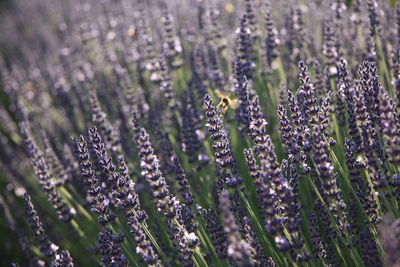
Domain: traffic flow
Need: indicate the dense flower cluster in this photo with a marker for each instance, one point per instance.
(200, 133)
(47, 248)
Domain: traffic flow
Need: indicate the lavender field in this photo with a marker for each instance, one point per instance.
(200, 133)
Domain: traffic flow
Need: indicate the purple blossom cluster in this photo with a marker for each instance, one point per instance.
(200, 133)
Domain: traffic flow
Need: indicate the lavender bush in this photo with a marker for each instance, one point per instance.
(200, 133)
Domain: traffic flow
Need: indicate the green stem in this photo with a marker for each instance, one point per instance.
(353, 253)
(276, 256)
(126, 249)
(197, 252)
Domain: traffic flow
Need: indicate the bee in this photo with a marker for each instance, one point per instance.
(132, 31)
(229, 8)
(226, 101)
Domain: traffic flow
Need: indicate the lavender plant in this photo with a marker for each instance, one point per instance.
(200, 133)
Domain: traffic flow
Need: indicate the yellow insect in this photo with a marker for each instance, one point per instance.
(229, 8)
(226, 101)
(132, 31)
